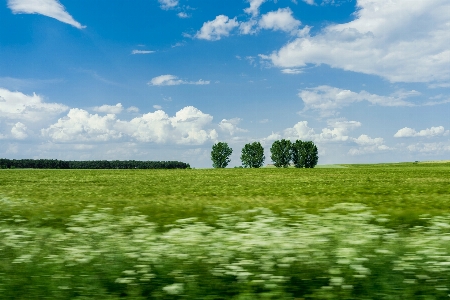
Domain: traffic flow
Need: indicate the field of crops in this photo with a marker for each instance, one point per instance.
(355, 232)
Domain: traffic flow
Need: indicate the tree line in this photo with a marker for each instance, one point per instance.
(90, 164)
(302, 154)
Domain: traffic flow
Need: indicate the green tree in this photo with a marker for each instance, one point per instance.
(304, 154)
(252, 155)
(220, 155)
(298, 154)
(311, 154)
(281, 153)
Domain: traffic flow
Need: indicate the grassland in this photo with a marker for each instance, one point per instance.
(405, 191)
(354, 232)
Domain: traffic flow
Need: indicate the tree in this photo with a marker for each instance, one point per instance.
(311, 154)
(220, 155)
(298, 154)
(281, 153)
(253, 155)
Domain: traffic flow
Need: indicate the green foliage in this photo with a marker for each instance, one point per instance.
(94, 164)
(281, 153)
(253, 155)
(220, 155)
(304, 154)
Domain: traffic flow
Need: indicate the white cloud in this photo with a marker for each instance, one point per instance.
(338, 131)
(133, 109)
(389, 38)
(109, 109)
(291, 71)
(49, 8)
(157, 106)
(182, 15)
(231, 126)
(19, 131)
(168, 4)
(328, 100)
(368, 145)
(281, 20)
(189, 126)
(186, 127)
(216, 29)
(18, 106)
(430, 148)
(254, 7)
(142, 52)
(163, 80)
(248, 27)
(335, 132)
(79, 125)
(429, 132)
(310, 2)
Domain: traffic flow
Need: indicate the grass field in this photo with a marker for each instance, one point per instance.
(349, 232)
(404, 191)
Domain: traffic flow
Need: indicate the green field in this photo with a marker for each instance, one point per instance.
(404, 191)
(337, 232)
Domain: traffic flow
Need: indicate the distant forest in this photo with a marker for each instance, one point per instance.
(91, 164)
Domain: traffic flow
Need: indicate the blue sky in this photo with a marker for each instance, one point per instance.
(368, 81)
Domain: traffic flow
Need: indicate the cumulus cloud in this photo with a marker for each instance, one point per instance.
(79, 125)
(254, 7)
(280, 20)
(163, 80)
(49, 8)
(248, 27)
(18, 106)
(389, 38)
(109, 109)
(216, 29)
(142, 52)
(368, 145)
(186, 127)
(337, 131)
(328, 100)
(231, 126)
(19, 131)
(429, 148)
(189, 126)
(429, 132)
(168, 4)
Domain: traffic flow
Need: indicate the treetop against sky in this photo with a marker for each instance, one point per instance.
(365, 80)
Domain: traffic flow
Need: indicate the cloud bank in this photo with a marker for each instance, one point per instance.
(389, 38)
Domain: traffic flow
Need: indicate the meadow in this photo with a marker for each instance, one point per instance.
(349, 232)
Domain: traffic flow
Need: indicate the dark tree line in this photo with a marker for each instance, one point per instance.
(90, 164)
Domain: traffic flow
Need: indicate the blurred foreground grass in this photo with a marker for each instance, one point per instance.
(48, 197)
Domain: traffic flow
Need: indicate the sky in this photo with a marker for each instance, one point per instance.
(368, 81)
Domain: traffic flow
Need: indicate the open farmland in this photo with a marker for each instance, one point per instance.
(404, 191)
(362, 231)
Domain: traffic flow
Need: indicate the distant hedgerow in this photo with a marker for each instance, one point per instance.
(90, 164)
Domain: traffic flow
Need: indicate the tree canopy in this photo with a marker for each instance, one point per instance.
(220, 155)
(252, 155)
(281, 153)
